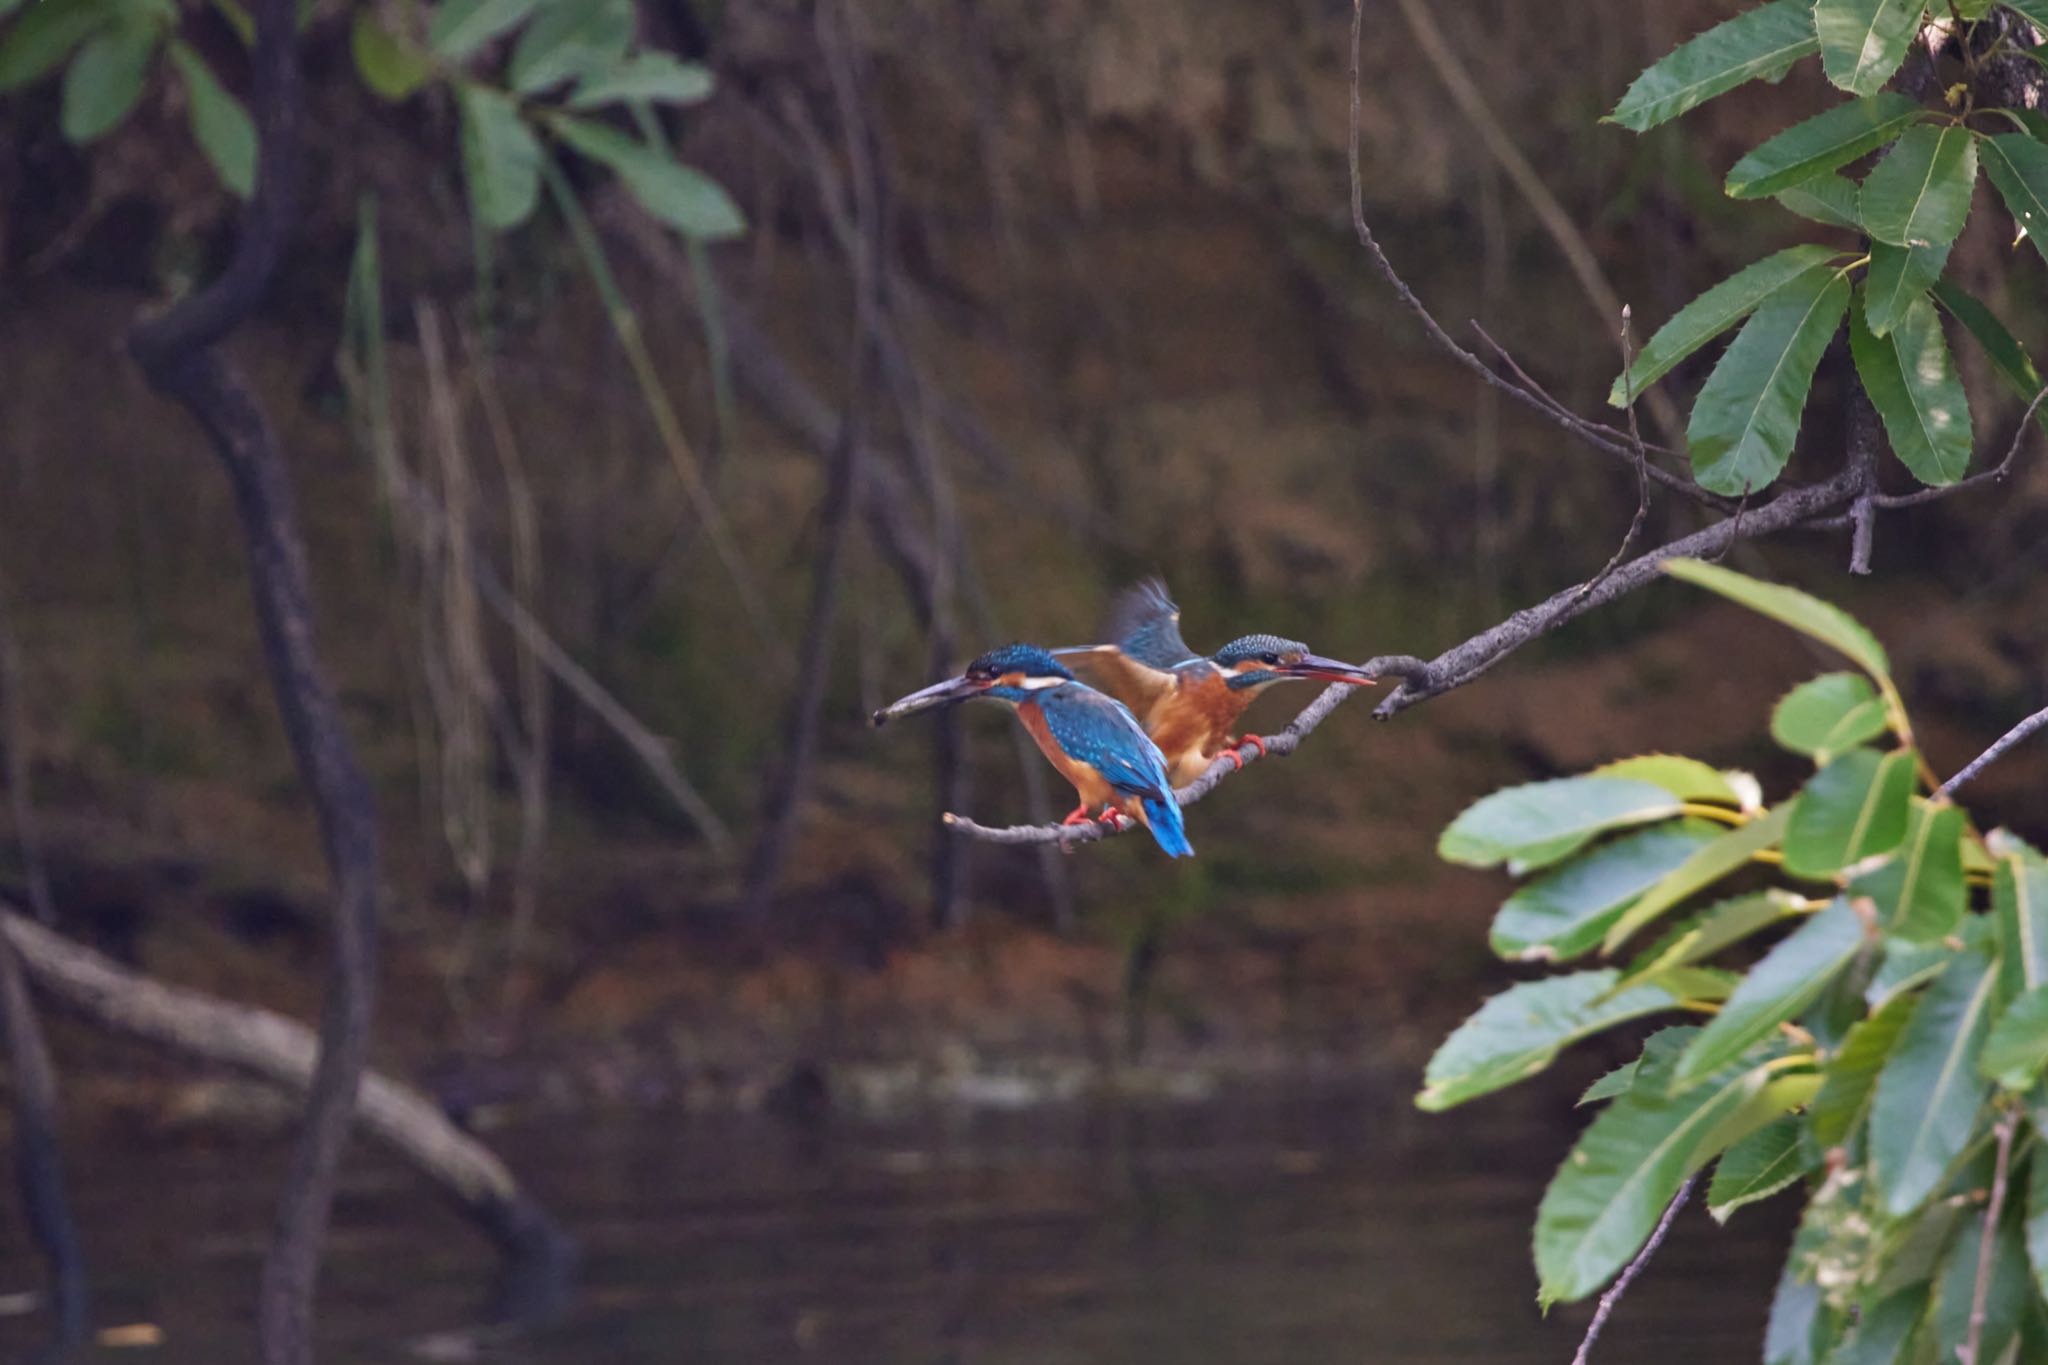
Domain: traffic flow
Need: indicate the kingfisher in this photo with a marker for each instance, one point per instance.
(1188, 704)
(1094, 740)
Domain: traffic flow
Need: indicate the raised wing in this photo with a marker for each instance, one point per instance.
(1108, 668)
(1103, 733)
(1145, 623)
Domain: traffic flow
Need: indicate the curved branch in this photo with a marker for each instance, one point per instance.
(2006, 741)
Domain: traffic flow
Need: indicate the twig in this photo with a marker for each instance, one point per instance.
(1980, 1297)
(1635, 525)
(1996, 474)
(1635, 1267)
(1995, 752)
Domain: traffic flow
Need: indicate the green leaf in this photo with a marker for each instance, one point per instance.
(105, 80)
(1746, 417)
(1920, 192)
(1564, 914)
(391, 66)
(1707, 933)
(1803, 612)
(687, 200)
(2037, 1222)
(2017, 1049)
(1797, 1317)
(1852, 809)
(1714, 312)
(2008, 357)
(1519, 1032)
(460, 27)
(1688, 779)
(1929, 1092)
(500, 158)
(45, 35)
(220, 125)
(2019, 168)
(1919, 890)
(1914, 385)
(1758, 44)
(1627, 1165)
(1906, 967)
(2019, 900)
(1882, 1335)
(1844, 1099)
(1897, 276)
(1517, 819)
(1616, 1082)
(1729, 853)
(1823, 143)
(1828, 716)
(1862, 42)
(1788, 979)
(1831, 199)
(652, 76)
(1756, 1168)
(570, 40)
(2006, 1289)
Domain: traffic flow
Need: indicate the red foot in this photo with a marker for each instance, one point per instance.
(1077, 816)
(1236, 758)
(1254, 740)
(1112, 817)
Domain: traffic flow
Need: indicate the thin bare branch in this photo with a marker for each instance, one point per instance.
(1635, 525)
(1997, 751)
(1635, 1268)
(1980, 1296)
(1996, 474)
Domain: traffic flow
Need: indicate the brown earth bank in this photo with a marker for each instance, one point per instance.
(1150, 345)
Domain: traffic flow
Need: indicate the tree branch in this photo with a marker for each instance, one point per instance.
(1635, 1267)
(1997, 751)
(1980, 1295)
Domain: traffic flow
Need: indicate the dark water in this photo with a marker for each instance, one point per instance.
(1254, 1228)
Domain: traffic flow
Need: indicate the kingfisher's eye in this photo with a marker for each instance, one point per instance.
(1270, 658)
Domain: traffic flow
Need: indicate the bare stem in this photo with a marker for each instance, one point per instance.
(1620, 1286)
(1980, 1297)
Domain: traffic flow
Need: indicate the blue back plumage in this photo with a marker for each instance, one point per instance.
(1145, 624)
(1102, 733)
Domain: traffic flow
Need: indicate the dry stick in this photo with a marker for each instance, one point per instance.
(1635, 525)
(281, 1051)
(1980, 1297)
(1997, 751)
(1585, 267)
(1996, 474)
(1635, 1267)
(175, 351)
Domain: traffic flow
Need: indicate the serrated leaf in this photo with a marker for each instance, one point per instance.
(1539, 814)
(1756, 1168)
(1519, 1032)
(1853, 809)
(654, 76)
(501, 158)
(1615, 1082)
(1707, 933)
(1688, 779)
(1929, 1092)
(686, 199)
(1713, 313)
(1613, 1187)
(1831, 199)
(105, 80)
(2019, 169)
(45, 35)
(1898, 275)
(1788, 979)
(1828, 716)
(1919, 890)
(1728, 854)
(1564, 914)
(1862, 42)
(1913, 384)
(1920, 192)
(2017, 1049)
(2019, 901)
(1757, 44)
(1802, 611)
(2006, 1289)
(388, 64)
(460, 27)
(1746, 418)
(1826, 142)
(570, 40)
(220, 125)
(2007, 356)
(1844, 1099)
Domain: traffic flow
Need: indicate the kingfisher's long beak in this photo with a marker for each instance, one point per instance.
(938, 694)
(1316, 667)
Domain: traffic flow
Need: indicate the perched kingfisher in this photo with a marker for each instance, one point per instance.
(1189, 705)
(1093, 740)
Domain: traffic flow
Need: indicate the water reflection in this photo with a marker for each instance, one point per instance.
(1253, 1228)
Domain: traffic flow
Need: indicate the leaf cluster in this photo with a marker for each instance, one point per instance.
(1894, 1007)
(1905, 213)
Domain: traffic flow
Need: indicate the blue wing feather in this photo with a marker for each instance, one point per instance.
(1101, 732)
(1145, 623)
